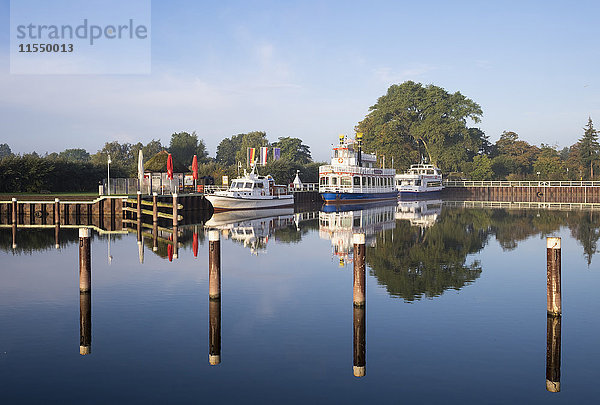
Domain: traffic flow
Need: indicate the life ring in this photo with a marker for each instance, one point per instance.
(340, 160)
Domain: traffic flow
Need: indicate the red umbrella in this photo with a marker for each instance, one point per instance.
(195, 167)
(195, 244)
(170, 167)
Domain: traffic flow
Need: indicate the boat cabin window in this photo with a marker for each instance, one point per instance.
(357, 181)
(346, 181)
(334, 181)
(417, 182)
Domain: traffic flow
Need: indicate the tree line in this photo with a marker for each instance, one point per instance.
(76, 170)
(412, 121)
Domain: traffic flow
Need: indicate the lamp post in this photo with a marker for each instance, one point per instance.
(108, 175)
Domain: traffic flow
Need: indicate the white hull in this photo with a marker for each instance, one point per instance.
(224, 203)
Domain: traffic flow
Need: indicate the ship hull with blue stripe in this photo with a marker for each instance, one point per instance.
(354, 198)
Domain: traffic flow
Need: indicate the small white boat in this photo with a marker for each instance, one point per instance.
(251, 192)
(420, 179)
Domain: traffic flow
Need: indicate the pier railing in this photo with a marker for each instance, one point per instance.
(524, 205)
(523, 183)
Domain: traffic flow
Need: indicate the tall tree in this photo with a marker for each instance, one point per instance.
(151, 149)
(184, 146)
(412, 116)
(74, 155)
(254, 139)
(5, 150)
(227, 149)
(589, 147)
(293, 150)
(513, 156)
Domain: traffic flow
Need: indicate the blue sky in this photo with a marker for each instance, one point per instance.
(311, 69)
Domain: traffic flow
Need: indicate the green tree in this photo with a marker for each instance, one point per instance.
(254, 139)
(5, 150)
(549, 164)
(412, 120)
(589, 147)
(151, 149)
(74, 155)
(184, 146)
(120, 155)
(513, 156)
(481, 168)
(293, 150)
(228, 148)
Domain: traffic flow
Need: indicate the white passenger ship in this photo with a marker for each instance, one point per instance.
(419, 180)
(251, 192)
(353, 177)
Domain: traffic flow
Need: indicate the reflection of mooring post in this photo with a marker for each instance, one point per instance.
(553, 276)
(14, 235)
(175, 242)
(56, 211)
(85, 323)
(85, 260)
(359, 342)
(14, 211)
(57, 236)
(214, 316)
(139, 206)
(359, 269)
(155, 236)
(553, 353)
(214, 265)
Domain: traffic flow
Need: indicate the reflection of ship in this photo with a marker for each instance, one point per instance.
(251, 227)
(421, 213)
(340, 225)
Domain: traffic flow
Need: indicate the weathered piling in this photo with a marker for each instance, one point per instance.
(554, 306)
(214, 265)
(139, 206)
(154, 207)
(175, 219)
(359, 269)
(553, 353)
(14, 211)
(85, 260)
(85, 323)
(360, 328)
(56, 211)
(214, 326)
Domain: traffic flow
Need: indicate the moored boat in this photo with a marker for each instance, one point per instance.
(251, 192)
(353, 176)
(420, 180)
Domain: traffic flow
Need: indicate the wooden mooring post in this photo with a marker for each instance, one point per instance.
(85, 260)
(139, 206)
(154, 207)
(214, 265)
(14, 211)
(359, 269)
(56, 211)
(14, 235)
(554, 305)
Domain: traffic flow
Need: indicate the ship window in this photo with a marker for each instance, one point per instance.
(335, 154)
(357, 181)
(259, 185)
(417, 182)
(364, 181)
(322, 181)
(345, 181)
(334, 181)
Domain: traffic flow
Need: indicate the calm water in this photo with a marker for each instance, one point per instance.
(455, 312)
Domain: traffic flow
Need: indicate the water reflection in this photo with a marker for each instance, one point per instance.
(252, 228)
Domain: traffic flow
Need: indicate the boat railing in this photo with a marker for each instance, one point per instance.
(356, 170)
(304, 187)
(521, 183)
(211, 189)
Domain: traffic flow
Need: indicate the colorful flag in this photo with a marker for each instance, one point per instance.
(263, 155)
(251, 156)
(276, 153)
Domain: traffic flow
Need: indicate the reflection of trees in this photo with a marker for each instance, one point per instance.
(291, 234)
(32, 239)
(413, 262)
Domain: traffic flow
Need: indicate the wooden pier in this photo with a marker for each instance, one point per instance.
(525, 191)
